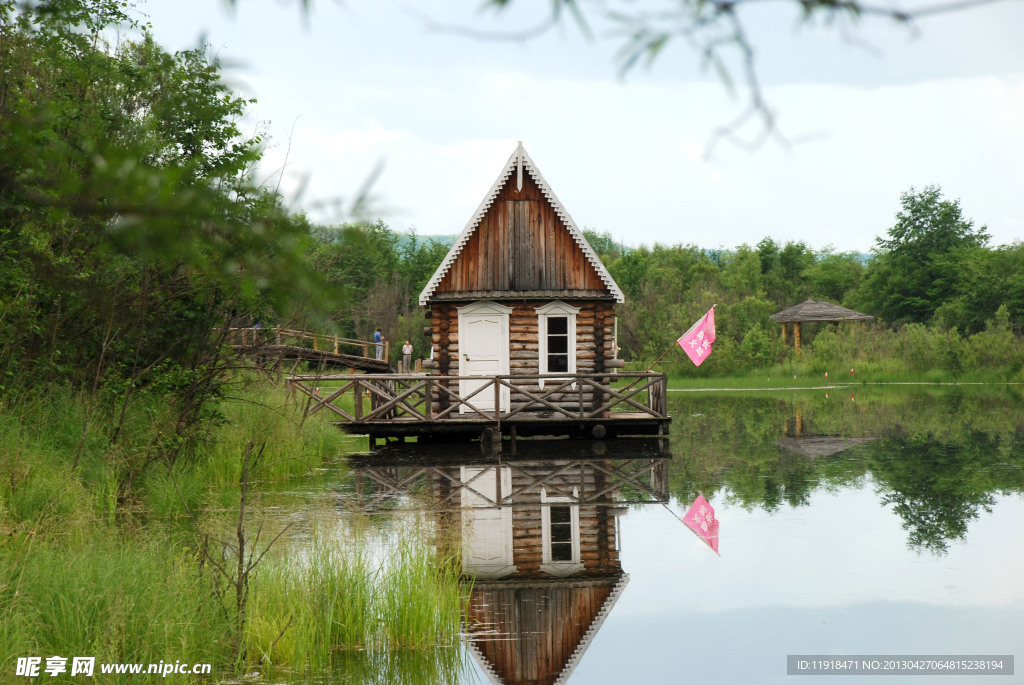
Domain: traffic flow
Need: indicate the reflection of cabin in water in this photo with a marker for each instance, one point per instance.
(522, 333)
(540, 537)
(547, 567)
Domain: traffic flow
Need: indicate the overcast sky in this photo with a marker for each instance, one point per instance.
(871, 111)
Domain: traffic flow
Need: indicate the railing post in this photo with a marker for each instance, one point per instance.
(357, 409)
(335, 343)
(497, 398)
(430, 401)
(579, 399)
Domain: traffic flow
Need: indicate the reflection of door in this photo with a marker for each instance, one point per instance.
(486, 528)
(483, 351)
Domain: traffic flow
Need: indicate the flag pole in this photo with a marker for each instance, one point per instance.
(663, 354)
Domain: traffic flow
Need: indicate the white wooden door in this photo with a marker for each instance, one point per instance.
(486, 528)
(483, 351)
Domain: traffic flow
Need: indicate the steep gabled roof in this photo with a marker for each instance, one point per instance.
(519, 161)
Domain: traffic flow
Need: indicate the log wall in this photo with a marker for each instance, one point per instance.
(594, 346)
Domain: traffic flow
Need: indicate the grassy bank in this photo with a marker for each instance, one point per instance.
(109, 549)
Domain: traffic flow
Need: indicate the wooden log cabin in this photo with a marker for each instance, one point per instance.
(521, 292)
(522, 335)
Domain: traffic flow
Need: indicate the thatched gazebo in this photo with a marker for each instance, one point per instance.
(812, 310)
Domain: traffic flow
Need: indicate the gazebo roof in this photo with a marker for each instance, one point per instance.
(812, 310)
(816, 446)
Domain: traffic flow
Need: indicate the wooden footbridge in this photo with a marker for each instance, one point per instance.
(327, 350)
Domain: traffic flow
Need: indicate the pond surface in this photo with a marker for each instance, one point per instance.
(852, 522)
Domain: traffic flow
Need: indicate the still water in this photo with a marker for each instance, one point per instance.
(852, 522)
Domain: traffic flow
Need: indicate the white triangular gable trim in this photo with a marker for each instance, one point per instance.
(517, 162)
(588, 637)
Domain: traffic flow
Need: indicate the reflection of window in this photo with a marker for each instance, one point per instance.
(560, 534)
(556, 328)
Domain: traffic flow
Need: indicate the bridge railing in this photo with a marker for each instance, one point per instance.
(299, 338)
(409, 397)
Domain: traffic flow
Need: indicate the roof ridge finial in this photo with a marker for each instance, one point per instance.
(519, 166)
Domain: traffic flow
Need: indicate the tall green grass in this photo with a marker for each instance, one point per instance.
(87, 572)
(137, 600)
(313, 611)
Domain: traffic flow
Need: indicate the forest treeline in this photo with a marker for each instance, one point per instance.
(942, 296)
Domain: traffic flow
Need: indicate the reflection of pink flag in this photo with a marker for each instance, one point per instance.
(701, 520)
(696, 342)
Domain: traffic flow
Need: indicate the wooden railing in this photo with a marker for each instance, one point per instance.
(292, 336)
(399, 397)
(588, 482)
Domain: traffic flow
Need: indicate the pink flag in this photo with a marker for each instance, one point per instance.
(696, 342)
(701, 520)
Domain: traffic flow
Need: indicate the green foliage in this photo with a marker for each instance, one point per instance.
(833, 276)
(379, 275)
(129, 229)
(921, 265)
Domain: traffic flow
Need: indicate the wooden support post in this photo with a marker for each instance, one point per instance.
(357, 407)
(785, 334)
(796, 338)
(497, 404)
(335, 344)
(427, 391)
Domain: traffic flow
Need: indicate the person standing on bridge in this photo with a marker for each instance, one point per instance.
(407, 356)
(378, 341)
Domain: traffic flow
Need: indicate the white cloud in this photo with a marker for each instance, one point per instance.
(442, 113)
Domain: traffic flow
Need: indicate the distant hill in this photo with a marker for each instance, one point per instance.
(446, 240)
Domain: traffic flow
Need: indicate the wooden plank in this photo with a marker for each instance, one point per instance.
(558, 269)
(480, 263)
(501, 244)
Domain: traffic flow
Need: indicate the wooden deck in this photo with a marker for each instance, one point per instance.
(405, 405)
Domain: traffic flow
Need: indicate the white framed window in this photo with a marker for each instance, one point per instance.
(556, 338)
(560, 534)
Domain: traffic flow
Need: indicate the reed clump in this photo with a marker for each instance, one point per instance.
(350, 593)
